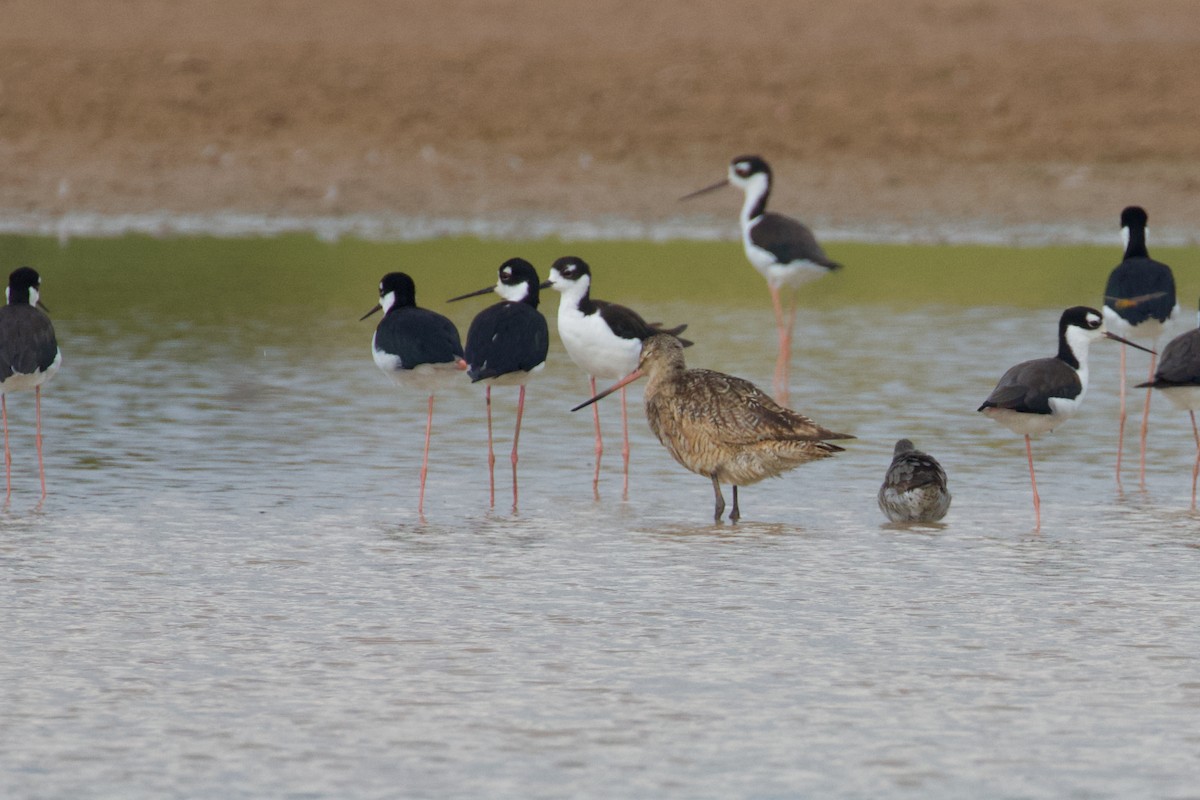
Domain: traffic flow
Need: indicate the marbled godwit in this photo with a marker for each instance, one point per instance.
(914, 488)
(720, 426)
(1139, 300)
(416, 347)
(782, 249)
(506, 344)
(29, 356)
(604, 339)
(1178, 377)
(1035, 396)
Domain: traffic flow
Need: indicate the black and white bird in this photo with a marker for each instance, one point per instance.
(1139, 300)
(604, 339)
(782, 249)
(29, 356)
(506, 346)
(914, 488)
(1036, 396)
(415, 347)
(1178, 378)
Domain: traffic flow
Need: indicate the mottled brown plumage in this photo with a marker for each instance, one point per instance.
(722, 427)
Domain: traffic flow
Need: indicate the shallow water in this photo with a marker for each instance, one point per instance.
(229, 592)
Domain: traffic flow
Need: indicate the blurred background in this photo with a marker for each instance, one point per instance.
(914, 113)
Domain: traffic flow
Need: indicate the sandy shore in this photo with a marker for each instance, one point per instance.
(918, 120)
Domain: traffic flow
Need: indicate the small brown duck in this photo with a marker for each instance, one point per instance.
(914, 489)
(720, 426)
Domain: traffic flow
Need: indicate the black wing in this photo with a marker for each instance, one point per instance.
(789, 240)
(1029, 386)
(628, 324)
(419, 336)
(1180, 363)
(505, 338)
(27, 343)
(1145, 281)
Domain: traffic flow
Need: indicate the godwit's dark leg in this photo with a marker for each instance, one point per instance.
(735, 515)
(516, 439)
(425, 457)
(720, 509)
(487, 394)
(7, 454)
(1146, 420)
(37, 401)
(1121, 425)
(625, 445)
(1037, 503)
(599, 443)
(1196, 468)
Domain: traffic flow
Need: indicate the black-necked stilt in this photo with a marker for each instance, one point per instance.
(1139, 300)
(1036, 396)
(416, 347)
(603, 339)
(782, 249)
(719, 426)
(914, 488)
(506, 344)
(29, 356)
(1178, 378)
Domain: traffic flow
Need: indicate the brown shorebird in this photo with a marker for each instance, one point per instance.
(1178, 378)
(782, 249)
(1139, 300)
(29, 356)
(1035, 396)
(719, 426)
(914, 488)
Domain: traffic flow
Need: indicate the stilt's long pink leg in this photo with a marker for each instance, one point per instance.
(1146, 422)
(1196, 468)
(7, 453)
(37, 394)
(625, 444)
(516, 439)
(599, 443)
(425, 458)
(1037, 503)
(785, 346)
(487, 394)
(1121, 425)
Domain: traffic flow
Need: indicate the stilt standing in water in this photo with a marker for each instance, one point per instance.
(1139, 300)
(719, 426)
(782, 249)
(415, 347)
(29, 357)
(604, 339)
(1036, 396)
(1178, 378)
(506, 345)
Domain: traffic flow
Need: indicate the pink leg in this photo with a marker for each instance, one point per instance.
(37, 394)
(1196, 468)
(7, 453)
(425, 458)
(599, 443)
(625, 445)
(487, 394)
(1037, 503)
(1121, 425)
(516, 439)
(785, 346)
(1146, 425)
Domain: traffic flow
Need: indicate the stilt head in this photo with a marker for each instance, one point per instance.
(24, 286)
(396, 290)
